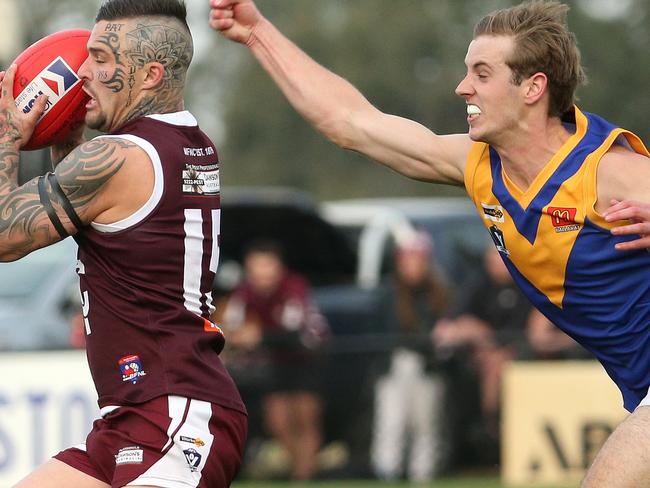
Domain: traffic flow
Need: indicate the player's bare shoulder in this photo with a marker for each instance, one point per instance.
(454, 149)
(458, 147)
(623, 174)
(98, 175)
(94, 162)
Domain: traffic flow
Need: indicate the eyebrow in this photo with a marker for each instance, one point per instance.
(480, 64)
(97, 50)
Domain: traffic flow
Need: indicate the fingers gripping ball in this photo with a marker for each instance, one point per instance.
(50, 67)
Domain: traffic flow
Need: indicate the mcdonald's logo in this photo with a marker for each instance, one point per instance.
(562, 216)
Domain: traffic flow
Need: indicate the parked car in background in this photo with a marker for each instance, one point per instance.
(345, 249)
(38, 295)
(376, 224)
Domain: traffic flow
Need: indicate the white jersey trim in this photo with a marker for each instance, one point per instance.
(193, 260)
(155, 197)
(182, 464)
(183, 118)
(104, 411)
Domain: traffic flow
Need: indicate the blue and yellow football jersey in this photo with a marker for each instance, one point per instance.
(561, 252)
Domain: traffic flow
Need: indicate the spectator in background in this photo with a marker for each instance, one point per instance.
(77, 337)
(548, 342)
(408, 398)
(271, 314)
(492, 326)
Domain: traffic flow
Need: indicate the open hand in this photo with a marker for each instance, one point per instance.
(638, 213)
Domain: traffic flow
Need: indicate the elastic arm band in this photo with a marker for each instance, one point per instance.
(67, 206)
(47, 205)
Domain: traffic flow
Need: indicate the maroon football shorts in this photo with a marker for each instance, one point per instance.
(168, 442)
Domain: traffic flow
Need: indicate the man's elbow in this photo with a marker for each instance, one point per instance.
(340, 130)
(8, 257)
(9, 254)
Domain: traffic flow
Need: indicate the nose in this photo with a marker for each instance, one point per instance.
(464, 88)
(83, 71)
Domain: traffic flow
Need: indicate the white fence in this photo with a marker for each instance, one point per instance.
(47, 403)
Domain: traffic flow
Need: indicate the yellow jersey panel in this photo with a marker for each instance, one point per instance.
(561, 253)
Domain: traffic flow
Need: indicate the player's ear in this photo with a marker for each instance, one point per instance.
(535, 87)
(153, 75)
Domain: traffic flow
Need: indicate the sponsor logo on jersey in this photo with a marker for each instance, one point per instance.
(191, 440)
(198, 151)
(54, 81)
(193, 458)
(499, 240)
(131, 368)
(129, 455)
(493, 212)
(563, 219)
(201, 179)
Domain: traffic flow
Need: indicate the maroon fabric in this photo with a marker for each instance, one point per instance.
(268, 309)
(145, 427)
(293, 328)
(144, 342)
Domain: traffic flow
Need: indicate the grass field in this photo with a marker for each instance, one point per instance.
(443, 483)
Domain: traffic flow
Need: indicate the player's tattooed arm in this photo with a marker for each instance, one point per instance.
(9, 152)
(15, 130)
(62, 149)
(24, 222)
(87, 169)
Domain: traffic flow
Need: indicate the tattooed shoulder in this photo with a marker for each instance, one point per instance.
(90, 166)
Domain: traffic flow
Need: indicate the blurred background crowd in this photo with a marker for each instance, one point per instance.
(368, 320)
(367, 336)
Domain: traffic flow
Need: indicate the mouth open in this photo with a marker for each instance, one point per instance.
(473, 112)
(92, 103)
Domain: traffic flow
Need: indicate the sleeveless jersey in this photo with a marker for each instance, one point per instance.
(561, 253)
(146, 281)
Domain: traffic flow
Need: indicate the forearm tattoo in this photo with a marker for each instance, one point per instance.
(24, 224)
(9, 152)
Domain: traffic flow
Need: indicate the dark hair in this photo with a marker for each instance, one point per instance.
(264, 246)
(125, 9)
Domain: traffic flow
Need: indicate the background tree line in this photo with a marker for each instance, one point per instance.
(406, 56)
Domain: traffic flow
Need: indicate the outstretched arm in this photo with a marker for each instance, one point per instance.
(336, 108)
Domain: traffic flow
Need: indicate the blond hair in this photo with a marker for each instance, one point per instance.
(543, 43)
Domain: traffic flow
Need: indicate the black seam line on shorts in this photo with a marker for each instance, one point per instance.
(67, 206)
(182, 422)
(47, 205)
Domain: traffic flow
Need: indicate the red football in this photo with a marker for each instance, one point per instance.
(50, 66)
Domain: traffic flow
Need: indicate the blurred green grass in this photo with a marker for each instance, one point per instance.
(472, 482)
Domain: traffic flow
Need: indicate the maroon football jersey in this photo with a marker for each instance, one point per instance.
(146, 280)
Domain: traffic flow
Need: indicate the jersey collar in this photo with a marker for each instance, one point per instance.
(184, 118)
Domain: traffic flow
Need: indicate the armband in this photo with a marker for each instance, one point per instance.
(47, 205)
(65, 203)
